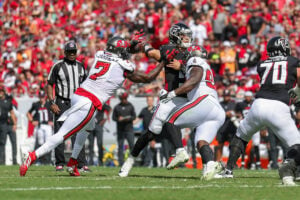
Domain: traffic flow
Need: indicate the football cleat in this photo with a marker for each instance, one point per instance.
(72, 167)
(26, 164)
(180, 157)
(288, 181)
(287, 172)
(59, 168)
(226, 173)
(126, 167)
(85, 169)
(211, 169)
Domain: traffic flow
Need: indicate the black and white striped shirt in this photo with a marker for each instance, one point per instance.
(67, 76)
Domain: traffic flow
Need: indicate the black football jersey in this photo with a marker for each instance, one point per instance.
(278, 75)
(173, 78)
(41, 113)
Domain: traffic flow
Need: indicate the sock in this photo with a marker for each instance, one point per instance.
(174, 134)
(257, 156)
(79, 143)
(179, 149)
(49, 145)
(237, 146)
(141, 143)
(206, 153)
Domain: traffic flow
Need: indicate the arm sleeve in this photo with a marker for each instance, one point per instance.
(141, 115)
(133, 114)
(115, 114)
(32, 108)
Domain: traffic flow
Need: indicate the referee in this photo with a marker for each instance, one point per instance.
(67, 74)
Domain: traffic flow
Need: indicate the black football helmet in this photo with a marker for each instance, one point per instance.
(118, 45)
(197, 51)
(278, 46)
(177, 31)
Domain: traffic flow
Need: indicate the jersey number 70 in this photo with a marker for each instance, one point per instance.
(105, 67)
(280, 72)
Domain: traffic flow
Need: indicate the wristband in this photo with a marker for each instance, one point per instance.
(172, 94)
(52, 102)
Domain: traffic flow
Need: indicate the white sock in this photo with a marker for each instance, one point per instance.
(48, 146)
(79, 142)
(179, 149)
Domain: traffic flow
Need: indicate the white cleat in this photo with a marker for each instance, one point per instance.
(288, 181)
(181, 157)
(126, 167)
(212, 168)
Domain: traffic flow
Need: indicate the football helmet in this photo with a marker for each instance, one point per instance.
(176, 33)
(118, 45)
(197, 51)
(278, 46)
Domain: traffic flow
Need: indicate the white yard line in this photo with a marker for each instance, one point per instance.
(137, 187)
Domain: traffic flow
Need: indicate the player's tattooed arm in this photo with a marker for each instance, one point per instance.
(141, 77)
(195, 77)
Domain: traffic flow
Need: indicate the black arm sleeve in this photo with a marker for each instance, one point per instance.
(115, 115)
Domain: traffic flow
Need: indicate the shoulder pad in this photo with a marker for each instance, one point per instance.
(127, 65)
(197, 61)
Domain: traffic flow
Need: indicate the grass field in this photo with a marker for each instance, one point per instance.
(42, 182)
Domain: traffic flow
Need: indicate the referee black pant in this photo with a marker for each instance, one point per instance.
(64, 105)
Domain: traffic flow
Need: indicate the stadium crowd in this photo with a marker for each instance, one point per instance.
(234, 32)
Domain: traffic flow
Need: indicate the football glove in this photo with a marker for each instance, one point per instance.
(295, 94)
(165, 97)
(137, 38)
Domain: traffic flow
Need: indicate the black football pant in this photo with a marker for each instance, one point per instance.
(98, 134)
(3, 137)
(59, 150)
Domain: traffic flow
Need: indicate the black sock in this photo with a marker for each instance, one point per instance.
(237, 146)
(206, 153)
(141, 143)
(174, 134)
(257, 156)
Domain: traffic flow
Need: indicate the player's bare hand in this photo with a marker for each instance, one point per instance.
(35, 123)
(121, 118)
(55, 109)
(175, 64)
(50, 123)
(14, 127)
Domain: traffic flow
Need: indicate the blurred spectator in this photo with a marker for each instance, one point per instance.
(6, 108)
(227, 56)
(124, 114)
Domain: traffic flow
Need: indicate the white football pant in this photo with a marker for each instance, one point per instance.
(272, 114)
(161, 113)
(79, 118)
(204, 113)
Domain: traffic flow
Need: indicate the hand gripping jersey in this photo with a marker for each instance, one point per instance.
(278, 75)
(174, 78)
(105, 76)
(207, 84)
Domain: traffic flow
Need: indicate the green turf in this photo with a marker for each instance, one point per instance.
(42, 182)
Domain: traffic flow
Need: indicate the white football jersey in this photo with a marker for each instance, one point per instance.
(207, 84)
(106, 75)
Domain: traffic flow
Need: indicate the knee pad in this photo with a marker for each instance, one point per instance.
(237, 142)
(294, 153)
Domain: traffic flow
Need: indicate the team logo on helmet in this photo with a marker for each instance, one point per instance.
(283, 43)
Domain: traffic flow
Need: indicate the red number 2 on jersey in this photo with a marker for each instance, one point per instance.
(105, 67)
(209, 78)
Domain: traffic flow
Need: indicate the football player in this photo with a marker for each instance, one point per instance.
(270, 108)
(202, 111)
(107, 74)
(180, 38)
